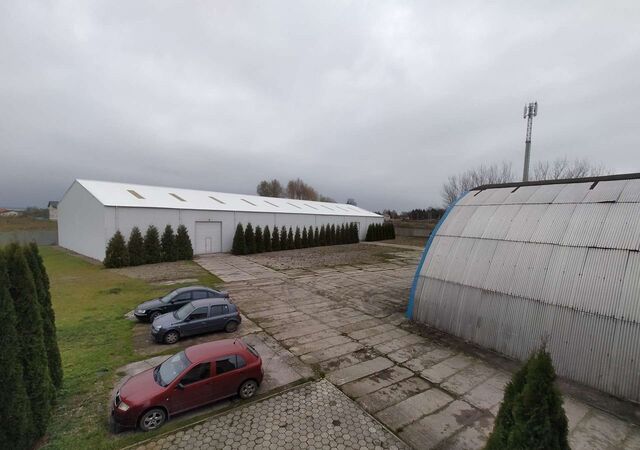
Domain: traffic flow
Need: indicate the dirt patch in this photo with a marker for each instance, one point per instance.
(337, 255)
(164, 273)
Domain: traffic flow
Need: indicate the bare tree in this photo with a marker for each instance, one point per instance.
(351, 201)
(492, 174)
(324, 198)
(557, 169)
(300, 190)
(271, 188)
(562, 168)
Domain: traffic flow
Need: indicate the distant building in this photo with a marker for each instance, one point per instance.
(9, 213)
(92, 211)
(53, 210)
(512, 266)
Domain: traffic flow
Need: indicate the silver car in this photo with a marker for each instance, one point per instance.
(197, 317)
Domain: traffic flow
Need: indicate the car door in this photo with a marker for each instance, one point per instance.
(180, 300)
(194, 389)
(196, 322)
(228, 375)
(217, 318)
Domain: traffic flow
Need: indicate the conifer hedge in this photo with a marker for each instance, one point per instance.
(284, 243)
(267, 239)
(30, 358)
(379, 232)
(531, 415)
(250, 239)
(135, 247)
(259, 240)
(184, 249)
(297, 240)
(290, 244)
(16, 426)
(168, 244)
(116, 254)
(239, 246)
(304, 241)
(275, 240)
(152, 249)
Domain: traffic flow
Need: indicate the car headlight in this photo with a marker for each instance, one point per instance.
(123, 406)
(142, 311)
(156, 327)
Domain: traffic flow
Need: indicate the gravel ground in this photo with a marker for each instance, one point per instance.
(336, 255)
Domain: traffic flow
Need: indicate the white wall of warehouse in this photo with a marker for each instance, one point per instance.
(85, 225)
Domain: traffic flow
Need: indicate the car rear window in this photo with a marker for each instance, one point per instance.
(253, 351)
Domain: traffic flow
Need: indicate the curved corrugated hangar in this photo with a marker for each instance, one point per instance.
(90, 212)
(511, 266)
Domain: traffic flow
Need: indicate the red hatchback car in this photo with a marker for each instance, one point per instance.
(194, 377)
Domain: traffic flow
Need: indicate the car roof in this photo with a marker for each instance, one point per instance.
(192, 288)
(201, 352)
(209, 302)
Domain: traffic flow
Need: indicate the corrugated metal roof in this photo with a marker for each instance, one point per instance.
(560, 263)
(142, 196)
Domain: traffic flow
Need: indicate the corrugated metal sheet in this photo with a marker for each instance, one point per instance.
(605, 191)
(554, 262)
(141, 196)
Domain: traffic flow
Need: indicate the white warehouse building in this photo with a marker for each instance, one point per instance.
(90, 212)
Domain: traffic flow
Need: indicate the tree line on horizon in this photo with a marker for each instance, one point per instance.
(150, 249)
(30, 357)
(295, 189)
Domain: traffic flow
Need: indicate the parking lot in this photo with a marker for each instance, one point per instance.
(345, 322)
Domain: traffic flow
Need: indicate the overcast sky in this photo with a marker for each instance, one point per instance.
(379, 101)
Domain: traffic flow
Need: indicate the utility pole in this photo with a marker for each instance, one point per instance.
(530, 111)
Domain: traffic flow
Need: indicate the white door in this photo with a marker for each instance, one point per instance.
(208, 237)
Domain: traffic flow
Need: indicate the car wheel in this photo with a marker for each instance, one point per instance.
(171, 337)
(152, 419)
(248, 389)
(154, 315)
(230, 327)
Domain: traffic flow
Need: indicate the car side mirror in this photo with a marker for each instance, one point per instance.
(180, 386)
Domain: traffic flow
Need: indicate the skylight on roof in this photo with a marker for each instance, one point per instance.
(295, 206)
(135, 194)
(177, 196)
(272, 204)
(343, 209)
(213, 198)
(312, 207)
(247, 201)
(325, 206)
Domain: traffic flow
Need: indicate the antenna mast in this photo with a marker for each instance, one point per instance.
(530, 111)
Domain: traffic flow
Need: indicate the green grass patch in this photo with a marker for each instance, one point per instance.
(95, 340)
(25, 223)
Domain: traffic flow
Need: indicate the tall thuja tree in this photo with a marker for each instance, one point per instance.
(116, 254)
(297, 240)
(16, 429)
(168, 244)
(369, 236)
(33, 353)
(322, 237)
(275, 240)
(184, 249)
(259, 240)
(531, 414)
(332, 235)
(250, 239)
(135, 246)
(284, 244)
(41, 279)
(239, 246)
(290, 243)
(316, 237)
(356, 233)
(152, 250)
(304, 241)
(342, 237)
(267, 239)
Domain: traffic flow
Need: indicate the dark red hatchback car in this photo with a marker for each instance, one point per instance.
(198, 375)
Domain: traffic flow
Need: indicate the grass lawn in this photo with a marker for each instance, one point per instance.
(94, 340)
(21, 223)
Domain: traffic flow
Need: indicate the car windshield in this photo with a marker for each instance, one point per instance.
(166, 372)
(183, 312)
(167, 298)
